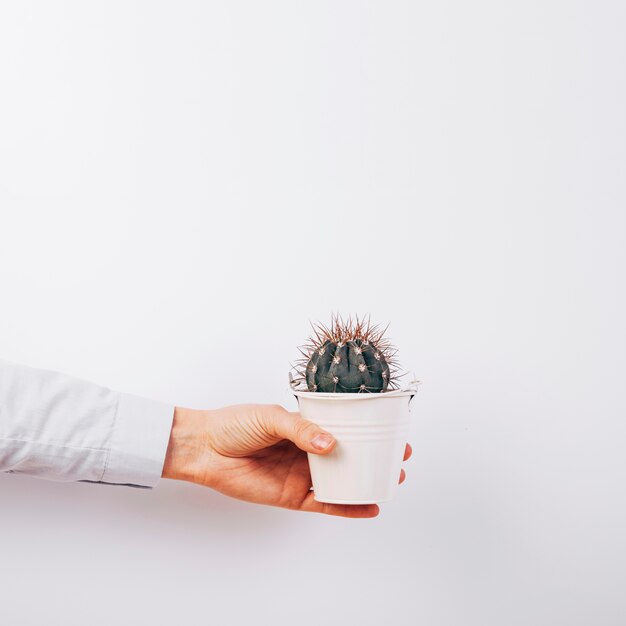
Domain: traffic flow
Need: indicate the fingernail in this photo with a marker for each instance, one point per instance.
(321, 441)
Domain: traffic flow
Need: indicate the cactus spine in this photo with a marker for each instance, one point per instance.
(348, 357)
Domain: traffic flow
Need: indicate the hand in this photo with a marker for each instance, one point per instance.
(254, 452)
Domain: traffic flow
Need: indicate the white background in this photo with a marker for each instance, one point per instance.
(183, 185)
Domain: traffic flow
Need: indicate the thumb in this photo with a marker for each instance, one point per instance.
(306, 435)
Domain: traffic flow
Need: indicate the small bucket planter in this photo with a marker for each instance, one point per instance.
(371, 430)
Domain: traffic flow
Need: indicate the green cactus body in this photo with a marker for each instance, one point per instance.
(350, 356)
(355, 366)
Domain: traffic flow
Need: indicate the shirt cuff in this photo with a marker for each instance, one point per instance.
(138, 444)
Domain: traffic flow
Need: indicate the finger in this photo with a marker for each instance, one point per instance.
(402, 477)
(408, 451)
(342, 510)
(306, 435)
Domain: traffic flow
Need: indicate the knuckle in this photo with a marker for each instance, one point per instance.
(303, 428)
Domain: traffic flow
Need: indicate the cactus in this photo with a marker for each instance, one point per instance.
(347, 357)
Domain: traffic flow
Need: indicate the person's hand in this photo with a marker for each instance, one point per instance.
(254, 452)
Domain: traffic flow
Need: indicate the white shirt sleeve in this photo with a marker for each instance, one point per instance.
(61, 428)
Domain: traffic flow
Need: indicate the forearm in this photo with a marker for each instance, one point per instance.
(58, 427)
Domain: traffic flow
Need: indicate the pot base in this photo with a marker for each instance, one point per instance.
(351, 501)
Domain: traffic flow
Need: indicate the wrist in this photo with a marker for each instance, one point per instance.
(183, 447)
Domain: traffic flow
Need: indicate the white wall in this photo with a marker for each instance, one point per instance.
(184, 184)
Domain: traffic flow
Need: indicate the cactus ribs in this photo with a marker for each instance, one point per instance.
(347, 357)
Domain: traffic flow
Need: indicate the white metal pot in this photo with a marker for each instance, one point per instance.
(371, 430)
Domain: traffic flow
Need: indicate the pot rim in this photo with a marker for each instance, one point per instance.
(410, 390)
